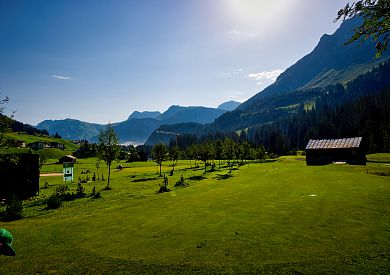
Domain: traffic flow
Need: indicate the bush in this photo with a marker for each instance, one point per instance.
(94, 194)
(164, 188)
(45, 186)
(13, 209)
(181, 182)
(61, 189)
(54, 201)
(80, 190)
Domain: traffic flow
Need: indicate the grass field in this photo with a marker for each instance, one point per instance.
(275, 217)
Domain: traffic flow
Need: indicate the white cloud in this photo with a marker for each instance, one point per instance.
(241, 34)
(230, 74)
(61, 77)
(265, 76)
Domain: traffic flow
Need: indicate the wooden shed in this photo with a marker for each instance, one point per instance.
(67, 158)
(326, 151)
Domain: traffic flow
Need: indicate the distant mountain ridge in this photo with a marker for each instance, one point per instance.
(331, 63)
(71, 129)
(137, 128)
(144, 114)
(229, 106)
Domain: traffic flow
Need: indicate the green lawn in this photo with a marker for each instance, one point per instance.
(275, 217)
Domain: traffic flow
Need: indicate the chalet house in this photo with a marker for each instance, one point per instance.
(38, 145)
(20, 144)
(57, 145)
(326, 151)
(67, 158)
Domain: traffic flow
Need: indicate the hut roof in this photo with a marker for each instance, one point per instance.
(68, 157)
(334, 143)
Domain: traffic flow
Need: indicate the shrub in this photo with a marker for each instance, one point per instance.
(61, 189)
(80, 190)
(164, 188)
(13, 209)
(46, 185)
(95, 194)
(54, 201)
(181, 182)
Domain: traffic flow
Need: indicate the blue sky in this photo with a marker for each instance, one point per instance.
(98, 61)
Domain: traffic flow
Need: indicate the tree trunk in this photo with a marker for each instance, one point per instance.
(109, 175)
(160, 169)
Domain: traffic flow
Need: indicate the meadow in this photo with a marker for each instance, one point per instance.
(272, 217)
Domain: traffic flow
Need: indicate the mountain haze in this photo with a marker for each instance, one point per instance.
(71, 129)
(137, 128)
(229, 106)
(144, 114)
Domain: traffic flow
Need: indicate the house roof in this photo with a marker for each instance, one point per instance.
(334, 143)
(69, 156)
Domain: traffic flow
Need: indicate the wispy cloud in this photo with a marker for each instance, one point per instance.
(241, 34)
(268, 76)
(61, 77)
(230, 74)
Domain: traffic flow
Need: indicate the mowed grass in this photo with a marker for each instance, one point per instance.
(276, 217)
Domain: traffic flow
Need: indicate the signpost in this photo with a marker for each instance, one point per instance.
(68, 171)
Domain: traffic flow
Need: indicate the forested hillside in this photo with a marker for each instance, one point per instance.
(361, 108)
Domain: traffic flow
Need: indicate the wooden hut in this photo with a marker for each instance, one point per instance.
(67, 158)
(326, 151)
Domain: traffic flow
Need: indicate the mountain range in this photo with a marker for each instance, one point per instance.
(138, 127)
(331, 63)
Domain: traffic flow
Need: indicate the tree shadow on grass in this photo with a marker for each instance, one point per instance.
(144, 179)
(197, 178)
(223, 176)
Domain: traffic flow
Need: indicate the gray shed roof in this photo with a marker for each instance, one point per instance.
(334, 143)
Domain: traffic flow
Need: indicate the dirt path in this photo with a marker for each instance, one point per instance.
(51, 175)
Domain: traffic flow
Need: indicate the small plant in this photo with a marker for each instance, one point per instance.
(80, 190)
(164, 188)
(54, 201)
(171, 172)
(94, 177)
(61, 189)
(13, 209)
(46, 185)
(181, 182)
(95, 194)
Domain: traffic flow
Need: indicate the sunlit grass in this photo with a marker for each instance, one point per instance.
(273, 217)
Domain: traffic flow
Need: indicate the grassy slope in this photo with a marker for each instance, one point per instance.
(262, 219)
(30, 138)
